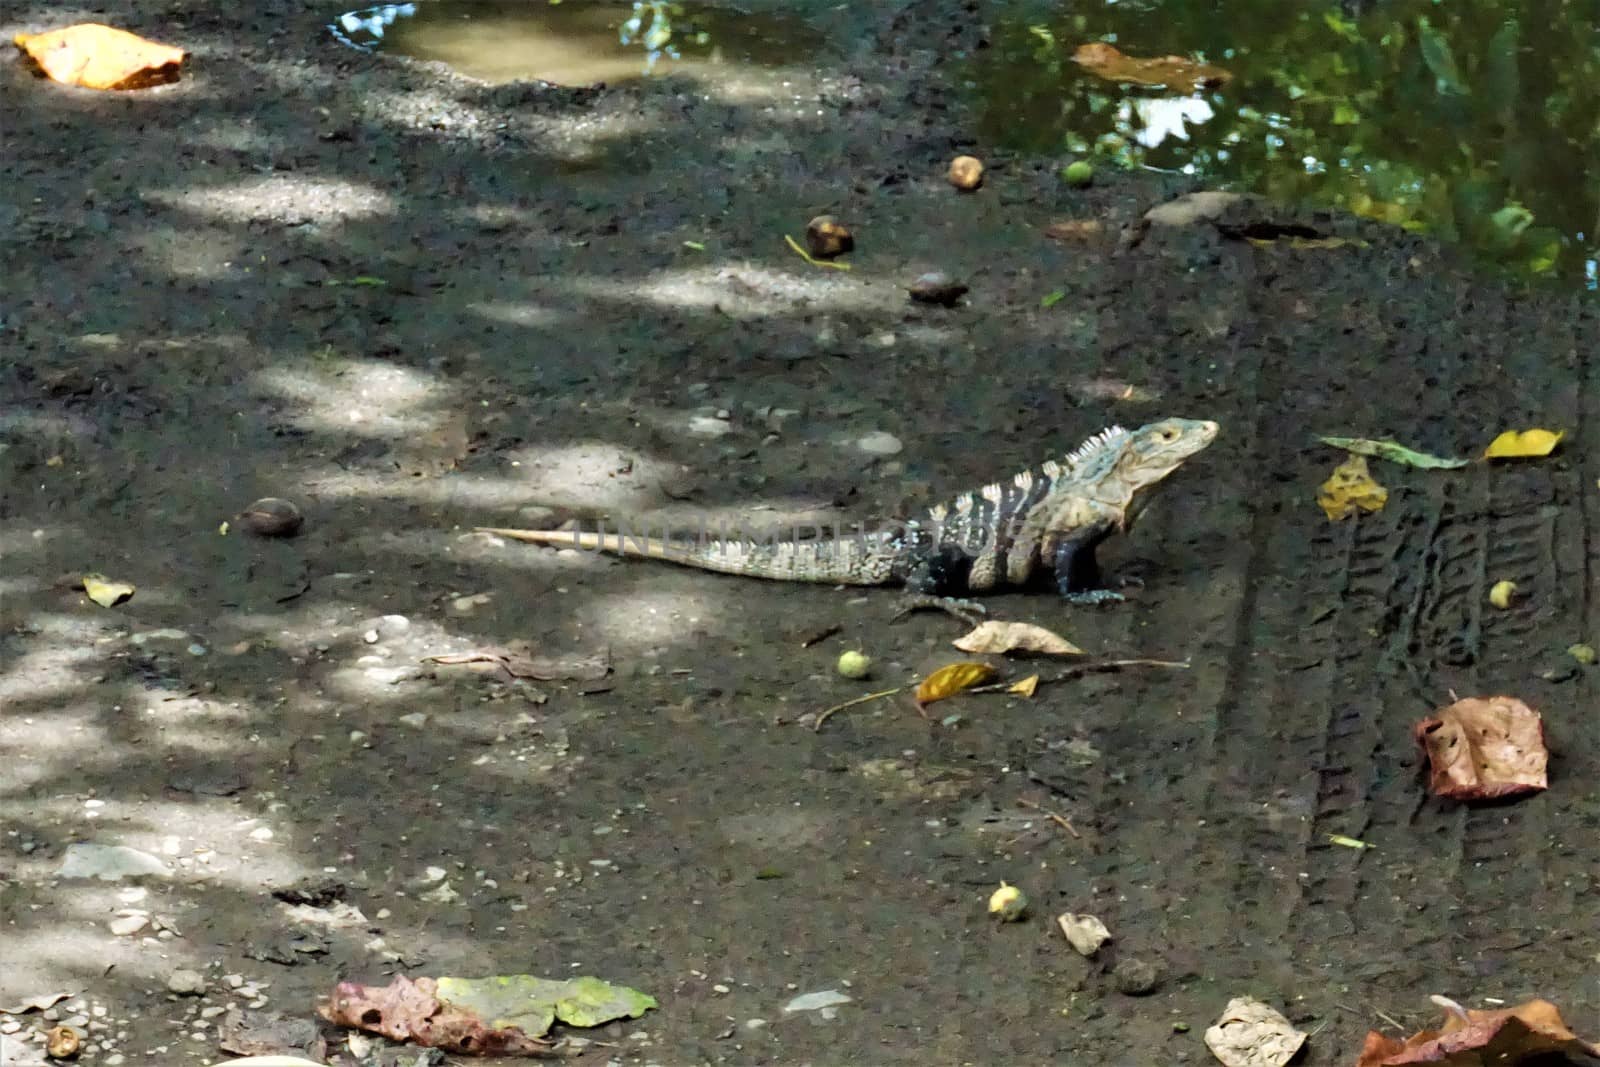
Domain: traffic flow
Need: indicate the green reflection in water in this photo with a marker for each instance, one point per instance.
(1479, 123)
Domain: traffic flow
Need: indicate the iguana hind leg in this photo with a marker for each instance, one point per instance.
(933, 583)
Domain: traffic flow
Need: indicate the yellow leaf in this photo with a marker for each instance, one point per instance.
(101, 57)
(1025, 687)
(1514, 444)
(104, 591)
(1348, 842)
(1350, 489)
(951, 679)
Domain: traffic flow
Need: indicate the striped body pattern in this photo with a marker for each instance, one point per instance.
(1007, 534)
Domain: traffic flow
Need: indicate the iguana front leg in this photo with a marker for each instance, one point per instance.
(1077, 571)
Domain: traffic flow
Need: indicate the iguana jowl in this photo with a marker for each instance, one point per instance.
(1006, 535)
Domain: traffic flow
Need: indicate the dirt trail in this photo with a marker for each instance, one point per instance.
(175, 345)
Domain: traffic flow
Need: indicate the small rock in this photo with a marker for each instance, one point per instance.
(128, 925)
(466, 605)
(186, 983)
(937, 287)
(261, 833)
(879, 443)
(754, 1024)
(1136, 977)
(827, 998)
(370, 637)
(416, 719)
(709, 426)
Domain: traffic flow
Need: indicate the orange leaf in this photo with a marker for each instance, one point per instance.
(1177, 72)
(1349, 489)
(1513, 1035)
(1480, 748)
(951, 679)
(101, 57)
(1519, 444)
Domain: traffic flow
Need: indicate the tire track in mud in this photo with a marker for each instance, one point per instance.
(1518, 883)
(1160, 857)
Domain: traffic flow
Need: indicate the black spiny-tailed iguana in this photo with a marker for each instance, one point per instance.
(1006, 535)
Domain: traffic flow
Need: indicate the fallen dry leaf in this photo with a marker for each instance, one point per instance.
(1074, 230)
(1253, 1034)
(1204, 206)
(105, 592)
(1111, 389)
(995, 636)
(101, 57)
(407, 1010)
(1349, 489)
(1176, 72)
(1025, 687)
(1484, 747)
(519, 662)
(1520, 444)
(951, 679)
(1476, 1038)
(1084, 932)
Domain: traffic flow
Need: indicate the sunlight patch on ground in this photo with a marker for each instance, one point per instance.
(349, 396)
(292, 200)
(67, 664)
(752, 291)
(641, 617)
(514, 313)
(201, 254)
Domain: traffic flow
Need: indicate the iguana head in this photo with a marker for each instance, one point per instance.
(1149, 454)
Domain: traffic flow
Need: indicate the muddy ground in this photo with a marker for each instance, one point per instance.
(177, 342)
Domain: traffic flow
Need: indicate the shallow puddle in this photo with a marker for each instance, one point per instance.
(1478, 123)
(579, 42)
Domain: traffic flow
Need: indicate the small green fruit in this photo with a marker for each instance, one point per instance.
(1079, 175)
(1008, 902)
(855, 664)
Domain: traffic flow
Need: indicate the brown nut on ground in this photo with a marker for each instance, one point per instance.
(272, 517)
(937, 287)
(62, 1043)
(827, 237)
(966, 173)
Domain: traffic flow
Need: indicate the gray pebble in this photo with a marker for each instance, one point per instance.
(186, 983)
(879, 443)
(1136, 977)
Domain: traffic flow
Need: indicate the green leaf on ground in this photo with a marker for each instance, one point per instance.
(1394, 452)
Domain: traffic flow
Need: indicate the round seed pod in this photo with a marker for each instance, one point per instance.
(966, 173)
(271, 517)
(827, 237)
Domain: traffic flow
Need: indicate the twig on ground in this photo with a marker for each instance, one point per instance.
(1079, 669)
(822, 716)
(1054, 816)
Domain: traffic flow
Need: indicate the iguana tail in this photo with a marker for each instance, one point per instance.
(868, 559)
